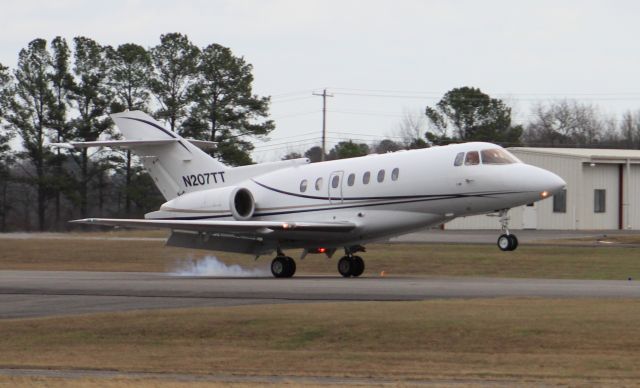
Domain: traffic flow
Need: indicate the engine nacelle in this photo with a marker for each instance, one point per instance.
(242, 204)
(238, 201)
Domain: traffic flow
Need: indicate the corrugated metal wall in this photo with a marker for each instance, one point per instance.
(604, 177)
(569, 169)
(634, 198)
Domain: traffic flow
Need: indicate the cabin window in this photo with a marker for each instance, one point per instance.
(335, 181)
(318, 184)
(599, 200)
(560, 202)
(459, 159)
(381, 176)
(395, 173)
(472, 158)
(496, 156)
(351, 179)
(303, 186)
(366, 178)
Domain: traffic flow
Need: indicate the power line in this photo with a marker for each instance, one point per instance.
(365, 134)
(291, 99)
(366, 113)
(294, 115)
(293, 93)
(286, 142)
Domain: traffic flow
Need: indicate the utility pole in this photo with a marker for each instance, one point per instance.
(324, 96)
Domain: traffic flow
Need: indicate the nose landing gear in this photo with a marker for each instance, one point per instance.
(506, 241)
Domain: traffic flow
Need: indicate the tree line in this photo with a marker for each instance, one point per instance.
(60, 92)
(467, 114)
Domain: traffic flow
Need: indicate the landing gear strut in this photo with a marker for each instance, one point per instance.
(350, 265)
(506, 241)
(283, 266)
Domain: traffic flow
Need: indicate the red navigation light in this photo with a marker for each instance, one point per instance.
(322, 250)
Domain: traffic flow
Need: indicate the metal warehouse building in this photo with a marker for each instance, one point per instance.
(603, 192)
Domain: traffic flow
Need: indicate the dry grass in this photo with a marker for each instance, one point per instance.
(394, 259)
(55, 382)
(576, 340)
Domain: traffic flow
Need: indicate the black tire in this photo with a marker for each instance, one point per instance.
(291, 267)
(280, 267)
(358, 266)
(514, 242)
(345, 266)
(504, 243)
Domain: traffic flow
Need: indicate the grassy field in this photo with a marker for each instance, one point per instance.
(528, 341)
(538, 261)
(573, 341)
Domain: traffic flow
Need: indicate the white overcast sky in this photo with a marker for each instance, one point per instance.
(411, 52)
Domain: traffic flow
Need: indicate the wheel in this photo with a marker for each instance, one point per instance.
(504, 243)
(283, 267)
(279, 267)
(358, 266)
(345, 266)
(514, 242)
(291, 267)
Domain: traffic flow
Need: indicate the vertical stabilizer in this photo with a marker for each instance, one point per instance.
(176, 167)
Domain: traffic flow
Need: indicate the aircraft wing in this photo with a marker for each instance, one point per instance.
(239, 227)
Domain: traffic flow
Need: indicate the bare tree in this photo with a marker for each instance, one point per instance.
(412, 127)
(630, 129)
(565, 123)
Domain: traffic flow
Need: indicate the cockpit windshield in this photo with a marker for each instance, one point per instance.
(497, 156)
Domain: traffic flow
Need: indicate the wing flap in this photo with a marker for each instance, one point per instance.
(244, 227)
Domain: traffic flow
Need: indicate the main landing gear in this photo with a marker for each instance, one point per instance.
(283, 266)
(506, 241)
(350, 265)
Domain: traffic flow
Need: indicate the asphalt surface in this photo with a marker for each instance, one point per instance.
(46, 293)
(434, 236)
(490, 236)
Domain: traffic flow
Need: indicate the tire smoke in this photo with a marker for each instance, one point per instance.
(212, 266)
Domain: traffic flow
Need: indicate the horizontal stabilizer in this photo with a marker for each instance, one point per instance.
(262, 227)
(202, 144)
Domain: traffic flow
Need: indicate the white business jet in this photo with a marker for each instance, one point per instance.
(319, 207)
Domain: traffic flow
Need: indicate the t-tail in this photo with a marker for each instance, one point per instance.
(176, 165)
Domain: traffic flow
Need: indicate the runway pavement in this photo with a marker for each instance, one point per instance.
(45, 293)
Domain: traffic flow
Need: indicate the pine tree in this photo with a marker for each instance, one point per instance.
(5, 148)
(130, 67)
(62, 83)
(175, 61)
(473, 116)
(90, 96)
(30, 111)
(226, 110)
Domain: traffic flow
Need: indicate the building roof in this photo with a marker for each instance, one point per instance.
(590, 154)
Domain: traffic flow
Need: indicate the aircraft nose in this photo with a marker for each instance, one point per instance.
(542, 181)
(549, 183)
(556, 183)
